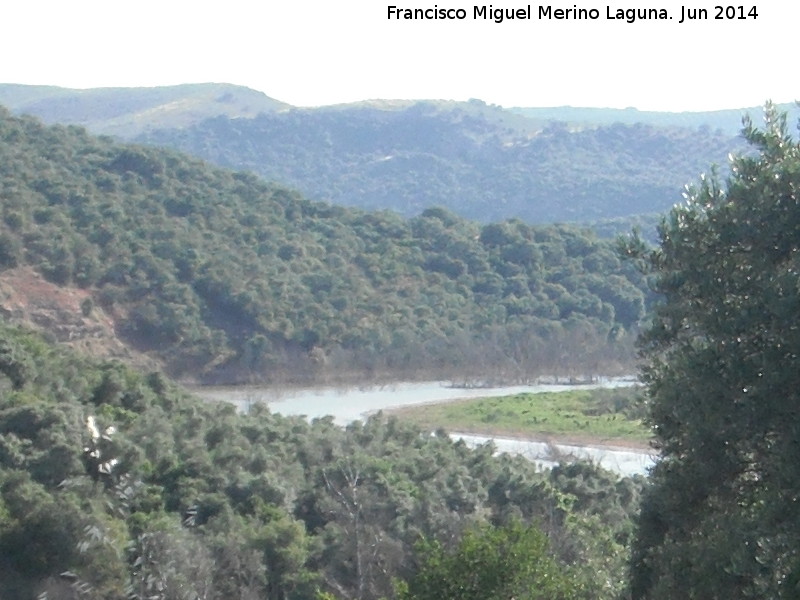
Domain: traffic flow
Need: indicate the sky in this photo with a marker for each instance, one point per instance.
(319, 52)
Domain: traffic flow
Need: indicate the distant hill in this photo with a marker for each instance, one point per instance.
(480, 161)
(126, 112)
(468, 160)
(728, 122)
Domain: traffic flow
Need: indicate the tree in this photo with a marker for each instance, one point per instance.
(490, 564)
(721, 518)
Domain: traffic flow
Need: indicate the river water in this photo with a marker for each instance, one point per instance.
(346, 405)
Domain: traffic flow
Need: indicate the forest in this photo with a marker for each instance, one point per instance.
(478, 161)
(115, 483)
(224, 278)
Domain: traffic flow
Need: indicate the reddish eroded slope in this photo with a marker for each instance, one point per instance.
(66, 314)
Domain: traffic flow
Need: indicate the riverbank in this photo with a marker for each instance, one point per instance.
(609, 418)
(349, 403)
(624, 454)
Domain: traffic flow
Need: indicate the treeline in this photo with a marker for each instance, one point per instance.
(727, 121)
(480, 162)
(224, 277)
(115, 485)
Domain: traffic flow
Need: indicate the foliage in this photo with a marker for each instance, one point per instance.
(720, 517)
(490, 564)
(118, 485)
(224, 277)
(602, 415)
(479, 161)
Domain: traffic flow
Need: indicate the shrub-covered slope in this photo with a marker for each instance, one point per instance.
(475, 160)
(115, 485)
(223, 276)
(480, 161)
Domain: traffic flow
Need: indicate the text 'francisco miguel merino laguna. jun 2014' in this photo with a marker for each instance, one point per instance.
(574, 13)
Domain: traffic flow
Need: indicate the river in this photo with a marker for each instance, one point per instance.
(346, 405)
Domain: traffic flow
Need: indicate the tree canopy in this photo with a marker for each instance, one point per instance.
(481, 162)
(117, 485)
(224, 277)
(492, 564)
(721, 516)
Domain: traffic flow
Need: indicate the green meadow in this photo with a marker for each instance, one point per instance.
(602, 416)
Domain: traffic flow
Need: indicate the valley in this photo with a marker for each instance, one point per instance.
(224, 324)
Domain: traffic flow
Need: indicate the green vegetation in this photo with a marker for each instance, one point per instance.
(480, 162)
(491, 564)
(118, 485)
(225, 278)
(721, 517)
(589, 416)
(115, 484)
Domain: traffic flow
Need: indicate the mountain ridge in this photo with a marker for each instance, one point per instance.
(34, 100)
(478, 160)
(125, 112)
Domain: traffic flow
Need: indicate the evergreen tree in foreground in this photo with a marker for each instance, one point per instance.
(491, 564)
(721, 518)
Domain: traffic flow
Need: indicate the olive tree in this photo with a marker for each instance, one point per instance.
(721, 518)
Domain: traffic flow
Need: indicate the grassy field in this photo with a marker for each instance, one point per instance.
(607, 417)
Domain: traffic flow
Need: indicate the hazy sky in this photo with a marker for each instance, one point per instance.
(329, 51)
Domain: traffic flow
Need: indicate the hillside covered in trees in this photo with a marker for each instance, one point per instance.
(223, 277)
(116, 485)
(480, 161)
(470, 158)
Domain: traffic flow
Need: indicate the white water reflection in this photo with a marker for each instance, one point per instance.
(622, 461)
(346, 405)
